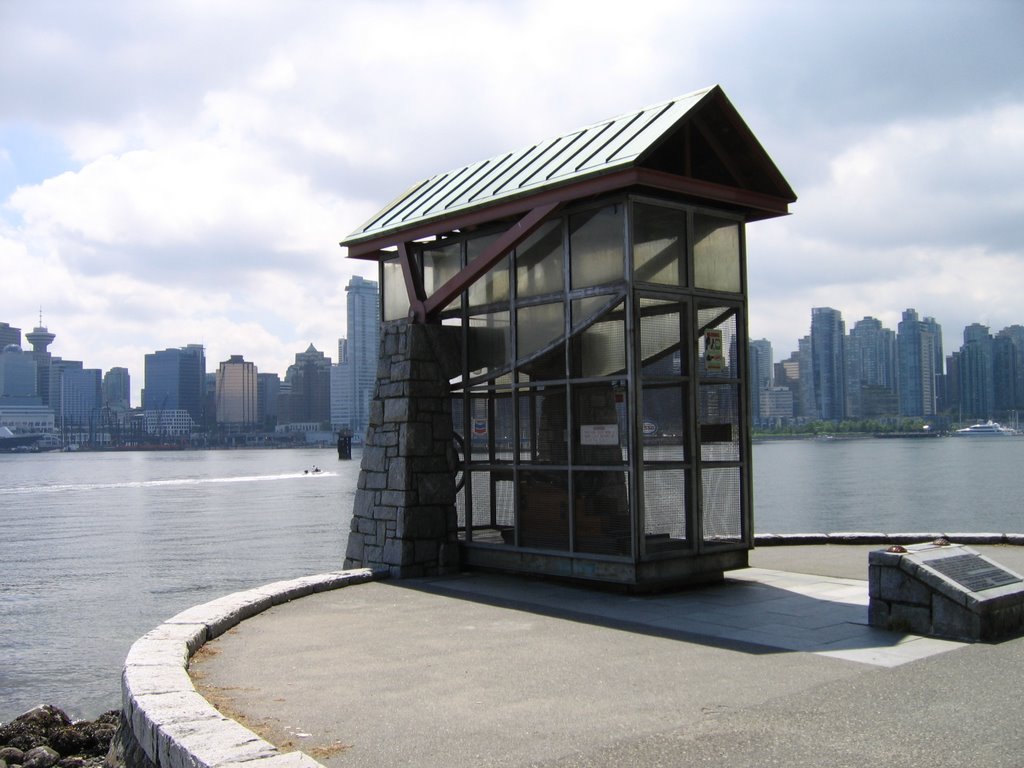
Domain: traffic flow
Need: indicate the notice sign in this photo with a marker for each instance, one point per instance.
(714, 359)
(599, 434)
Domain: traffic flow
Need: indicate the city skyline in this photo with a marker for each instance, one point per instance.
(185, 177)
(779, 353)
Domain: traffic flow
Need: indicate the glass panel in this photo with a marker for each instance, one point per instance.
(595, 245)
(600, 425)
(600, 350)
(539, 262)
(440, 264)
(716, 347)
(396, 298)
(719, 422)
(663, 429)
(721, 504)
(543, 510)
(665, 504)
(489, 343)
(659, 244)
(661, 338)
(492, 288)
(601, 512)
(539, 326)
(716, 253)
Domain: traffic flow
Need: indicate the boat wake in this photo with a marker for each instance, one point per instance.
(168, 483)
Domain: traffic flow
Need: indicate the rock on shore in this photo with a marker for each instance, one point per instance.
(46, 737)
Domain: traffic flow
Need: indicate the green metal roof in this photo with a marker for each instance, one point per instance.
(595, 150)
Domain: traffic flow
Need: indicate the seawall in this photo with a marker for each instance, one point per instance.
(166, 723)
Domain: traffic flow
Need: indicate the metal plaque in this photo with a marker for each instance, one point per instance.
(972, 572)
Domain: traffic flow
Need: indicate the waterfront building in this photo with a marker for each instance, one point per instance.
(870, 368)
(79, 402)
(27, 416)
(117, 389)
(362, 349)
(268, 388)
(9, 335)
(776, 406)
(787, 374)
(236, 392)
(169, 423)
(341, 397)
(761, 363)
(1009, 373)
(176, 380)
(977, 395)
(40, 338)
(828, 363)
(305, 394)
(919, 364)
(17, 372)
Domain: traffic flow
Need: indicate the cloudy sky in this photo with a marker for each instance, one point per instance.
(181, 172)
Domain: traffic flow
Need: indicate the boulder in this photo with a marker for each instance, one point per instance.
(41, 757)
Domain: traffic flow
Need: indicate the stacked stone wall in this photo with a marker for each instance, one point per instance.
(404, 518)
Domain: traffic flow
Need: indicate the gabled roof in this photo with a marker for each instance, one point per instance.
(699, 136)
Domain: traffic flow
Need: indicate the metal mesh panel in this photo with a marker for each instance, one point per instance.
(596, 246)
(539, 262)
(722, 509)
(599, 416)
(663, 429)
(544, 510)
(601, 512)
(493, 286)
(477, 436)
(659, 244)
(665, 506)
(547, 420)
(660, 338)
(600, 350)
(504, 427)
(716, 253)
(719, 422)
(489, 343)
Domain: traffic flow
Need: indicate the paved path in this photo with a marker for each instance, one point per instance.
(775, 667)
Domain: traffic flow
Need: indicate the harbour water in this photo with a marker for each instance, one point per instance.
(98, 548)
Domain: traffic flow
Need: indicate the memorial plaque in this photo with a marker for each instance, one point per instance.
(972, 572)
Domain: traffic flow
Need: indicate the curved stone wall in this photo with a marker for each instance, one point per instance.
(167, 723)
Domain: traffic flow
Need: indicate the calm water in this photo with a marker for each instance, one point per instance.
(97, 549)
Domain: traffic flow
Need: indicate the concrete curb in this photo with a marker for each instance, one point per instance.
(168, 719)
(855, 537)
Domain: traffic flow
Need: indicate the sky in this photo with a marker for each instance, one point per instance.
(182, 172)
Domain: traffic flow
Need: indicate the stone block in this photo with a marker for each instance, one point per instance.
(951, 619)
(397, 552)
(436, 488)
(422, 523)
(896, 585)
(398, 498)
(401, 370)
(910, 618)
(385, 510)
(374, 459)
(399, 475)
(426, 550)
(396, 410)
(416, 440)
(376, 481)
(365, 525)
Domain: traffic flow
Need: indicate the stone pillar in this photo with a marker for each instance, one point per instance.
(404, 518)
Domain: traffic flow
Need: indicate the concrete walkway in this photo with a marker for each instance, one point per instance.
(775, 667)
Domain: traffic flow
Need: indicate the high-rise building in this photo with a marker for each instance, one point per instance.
(79, 400)
(828, 363)
(236, 392)
(975, 368)
(362, 349)
(870, 367)
(760, 363)
(1014, 395)
(9, 335)
(117, 389)
(176, 380)
(17, 373)
(919, 364)
(40, 338)
(305, 395)
(268, 388)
